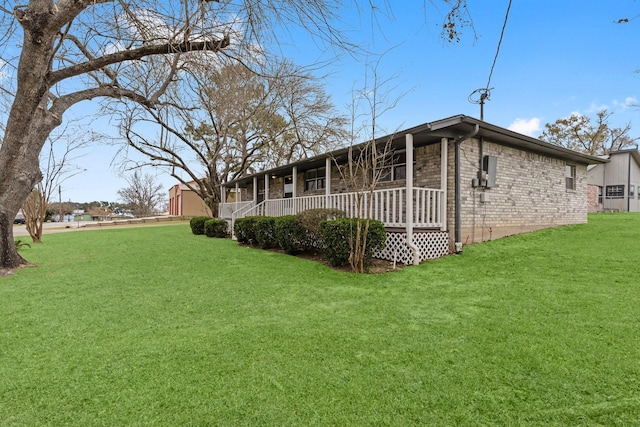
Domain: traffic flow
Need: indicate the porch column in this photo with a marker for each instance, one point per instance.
(223, 200)
(237, 195)
(266, 186)
(444, 155)
(295, 181)
(255, 190)
(409, 199)
(327, 177)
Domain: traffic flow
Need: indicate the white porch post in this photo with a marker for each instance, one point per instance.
(294, 174)
(255, 190)
(327, 178)
(237, 195)
(444, 155)
(223, 200)
(409, 199)
(266, 186)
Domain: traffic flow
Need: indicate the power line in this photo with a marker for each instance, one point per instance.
(485, 93)
(495, 58)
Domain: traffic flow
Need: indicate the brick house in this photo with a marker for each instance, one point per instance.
(451, 182)
(615, 184)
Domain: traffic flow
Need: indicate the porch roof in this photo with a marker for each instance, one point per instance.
(431, 133)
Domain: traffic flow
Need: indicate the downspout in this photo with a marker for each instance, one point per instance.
(458, 200)
(629, 184)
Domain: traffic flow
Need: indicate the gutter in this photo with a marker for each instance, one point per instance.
(458, 199)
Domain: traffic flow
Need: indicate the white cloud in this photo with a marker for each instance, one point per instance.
(629, 101)
(526, 126)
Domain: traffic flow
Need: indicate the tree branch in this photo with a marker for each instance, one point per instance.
(60, 105)
(134, 54)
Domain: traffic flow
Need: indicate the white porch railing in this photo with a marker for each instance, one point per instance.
(226, 210)
(387, 206)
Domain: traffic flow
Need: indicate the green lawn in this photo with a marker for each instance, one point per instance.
(156, 326)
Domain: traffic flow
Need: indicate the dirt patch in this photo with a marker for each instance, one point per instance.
(4, 272)
(378, 266)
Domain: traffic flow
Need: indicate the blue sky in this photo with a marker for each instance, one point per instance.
(556, 58)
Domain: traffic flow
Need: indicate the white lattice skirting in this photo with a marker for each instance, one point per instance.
(431, 245)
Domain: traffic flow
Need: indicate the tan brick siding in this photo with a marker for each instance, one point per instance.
(530, 193)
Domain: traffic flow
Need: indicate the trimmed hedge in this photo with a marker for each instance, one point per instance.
(197, 224)
(337, 236)
(265, 232)
(310, 221)
(245, 229)
(290, 235)
(215, 227)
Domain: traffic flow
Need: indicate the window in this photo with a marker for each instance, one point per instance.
(632, 190)
(570, 177)
(615, 191)
(314, 179)
(397, 169)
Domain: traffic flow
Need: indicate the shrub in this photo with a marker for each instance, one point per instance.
(265, 232)
(215, 227)
(310, 221)
(337, 237)
(290, 235)
(197, 224)
(245, 229)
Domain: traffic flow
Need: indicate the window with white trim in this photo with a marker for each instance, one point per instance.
(632, 191)
(614, 192)
(570, 176)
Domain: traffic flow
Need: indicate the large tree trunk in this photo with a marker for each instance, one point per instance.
(28, 127)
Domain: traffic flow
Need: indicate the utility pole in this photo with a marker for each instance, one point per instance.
(61, 219)
(484, 94)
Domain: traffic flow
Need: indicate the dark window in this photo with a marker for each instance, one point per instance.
(396, 168)
(570, 177)
(314, 179)
(260, 191)
(632, 191)
(615, 191)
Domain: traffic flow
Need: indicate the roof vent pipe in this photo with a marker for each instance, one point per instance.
(458, 200)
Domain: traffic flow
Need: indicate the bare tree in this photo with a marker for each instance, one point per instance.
(57, 165)
(219, 127)
(79, 50)
(577, 133)
(370, 163)
(60, 53)
(143, 194)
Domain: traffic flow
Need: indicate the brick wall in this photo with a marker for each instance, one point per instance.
(530, 193)
(592, 199)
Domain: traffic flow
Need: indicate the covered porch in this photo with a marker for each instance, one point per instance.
(404, 208)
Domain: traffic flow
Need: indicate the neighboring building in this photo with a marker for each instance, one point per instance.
(186, 202)
(454, 181)
(614, 185)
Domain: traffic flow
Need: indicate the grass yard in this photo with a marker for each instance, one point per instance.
(156, 326)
